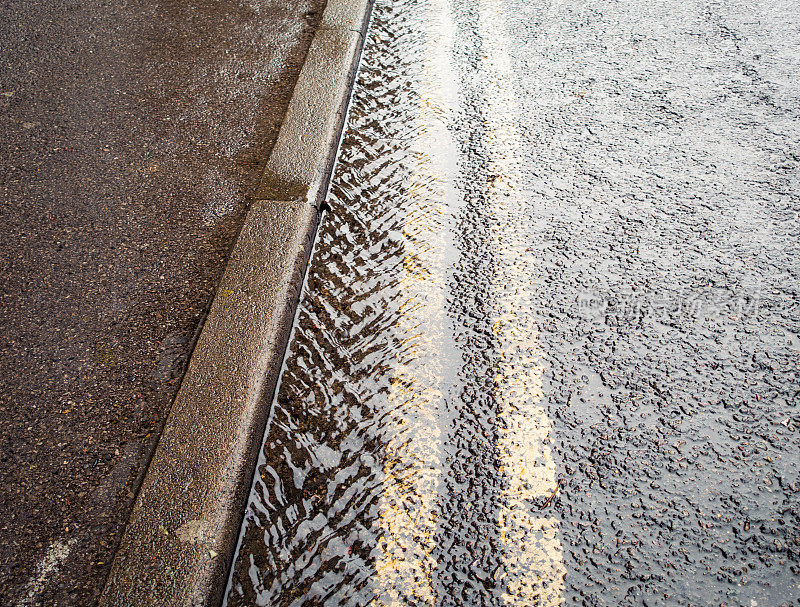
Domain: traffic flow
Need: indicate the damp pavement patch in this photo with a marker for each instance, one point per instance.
(134, 137)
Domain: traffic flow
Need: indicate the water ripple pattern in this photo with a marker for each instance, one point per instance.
(548, 350)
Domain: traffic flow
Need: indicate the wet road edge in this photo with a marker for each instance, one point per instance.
(179, 543)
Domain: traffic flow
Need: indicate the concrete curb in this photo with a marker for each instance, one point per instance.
(181, 537)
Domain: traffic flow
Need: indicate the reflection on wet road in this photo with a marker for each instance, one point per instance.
(548, 350)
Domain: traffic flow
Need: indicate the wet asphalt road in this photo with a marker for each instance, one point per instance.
(548, 349)
(133, 136)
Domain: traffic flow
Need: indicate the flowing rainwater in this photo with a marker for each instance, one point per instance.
(455, 425)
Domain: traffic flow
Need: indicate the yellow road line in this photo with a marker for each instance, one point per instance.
(406, 565)
(532, 552)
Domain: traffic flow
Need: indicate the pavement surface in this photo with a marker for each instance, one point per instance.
(134, 135)
(548, 349)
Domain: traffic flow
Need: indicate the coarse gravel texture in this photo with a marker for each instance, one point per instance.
(134, 136)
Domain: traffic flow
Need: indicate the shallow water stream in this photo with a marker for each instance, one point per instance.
(548, 349)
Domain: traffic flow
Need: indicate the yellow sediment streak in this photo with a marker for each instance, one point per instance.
(405, 565)
(532, 553)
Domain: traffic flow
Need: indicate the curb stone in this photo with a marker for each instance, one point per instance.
(182, 534)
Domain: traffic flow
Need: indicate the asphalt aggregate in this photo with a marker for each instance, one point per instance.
(547, 353)
(134, 135)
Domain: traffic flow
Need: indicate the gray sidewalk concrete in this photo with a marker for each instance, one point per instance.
(134, 136)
